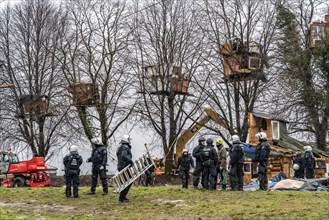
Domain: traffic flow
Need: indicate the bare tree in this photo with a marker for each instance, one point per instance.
(29, 36)
(94, 51)
(233, 97)
(167, 53)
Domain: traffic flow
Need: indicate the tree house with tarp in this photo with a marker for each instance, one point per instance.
(282, 147)
(165, 79)
(84, 94)
(318, 32)
(35, 106)
(243, 60)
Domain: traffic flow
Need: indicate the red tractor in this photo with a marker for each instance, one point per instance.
(15, 173)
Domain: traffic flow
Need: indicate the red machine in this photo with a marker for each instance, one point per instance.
(15, 173)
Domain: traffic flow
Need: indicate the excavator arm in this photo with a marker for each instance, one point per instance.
(189, 133)
(6, 86)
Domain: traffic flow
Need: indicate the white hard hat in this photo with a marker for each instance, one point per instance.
(295, 166)
(261, 136)
(126, 138)
(96, 140)
(73, 148)
(308, 148)
(185, 150)
(235, 138)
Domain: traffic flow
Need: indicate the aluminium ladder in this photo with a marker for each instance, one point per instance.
(130, 173)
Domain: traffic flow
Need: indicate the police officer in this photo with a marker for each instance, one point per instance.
(298, 165)
(236, 153)
(221, 165)
(124, 159)
(262, 154)
(99, 161)
(72, 163)
(198, 171)
(185, 162)
(309, 162)
(209, 159)
(149, 175)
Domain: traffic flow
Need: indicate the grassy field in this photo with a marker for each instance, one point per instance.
(165, 202)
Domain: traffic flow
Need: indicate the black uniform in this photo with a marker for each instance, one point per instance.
(124, 159)
(98, 159)
(184, 163)
(72, 163)
(209, 159)
(309, 163)
(149, 175)
(299, 159)
(262, 154)
(236, 166)
(198, 171)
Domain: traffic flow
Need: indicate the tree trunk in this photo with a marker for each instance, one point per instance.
(172, 135)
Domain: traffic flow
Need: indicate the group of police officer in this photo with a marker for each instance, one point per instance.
(73, 161)
(211, 164)
(304, 164)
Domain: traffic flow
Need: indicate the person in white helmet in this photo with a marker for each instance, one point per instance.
(236, 173)
(72, 163)
(124, 156)
(99, 162)
(309, 162)
(185, 162)
(262, 154)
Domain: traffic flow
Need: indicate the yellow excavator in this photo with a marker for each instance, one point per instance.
(188, 135)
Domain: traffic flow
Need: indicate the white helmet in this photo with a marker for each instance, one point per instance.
(126, 138)
(185, 150)
(261, 136)
(295, 166)
(235, 138)
(308, 148)
(73, 148)
(96, 140)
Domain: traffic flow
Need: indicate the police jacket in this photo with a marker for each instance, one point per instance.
(263, 151)
(236, 153)
(185, 161)
(72, 161)
(209, 153)
(99, 155)
(197, 153)
(309, 160)
(300, 161)
(124, 155)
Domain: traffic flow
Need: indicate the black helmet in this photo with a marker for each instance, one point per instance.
(209, 141)
(201, 139)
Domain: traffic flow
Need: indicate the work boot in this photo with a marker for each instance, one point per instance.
(104, 193)
(91, 193)
(125, 200)
(76, 196)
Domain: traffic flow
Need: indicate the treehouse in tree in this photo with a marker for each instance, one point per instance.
(84, 94)
(319, 31)
(35, 106)
(243, 60)
(165, 79)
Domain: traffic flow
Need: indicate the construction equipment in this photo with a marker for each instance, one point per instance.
(188, 134)
(15, 173)
(130, 173)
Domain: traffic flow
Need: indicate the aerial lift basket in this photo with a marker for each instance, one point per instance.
(130, 173)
